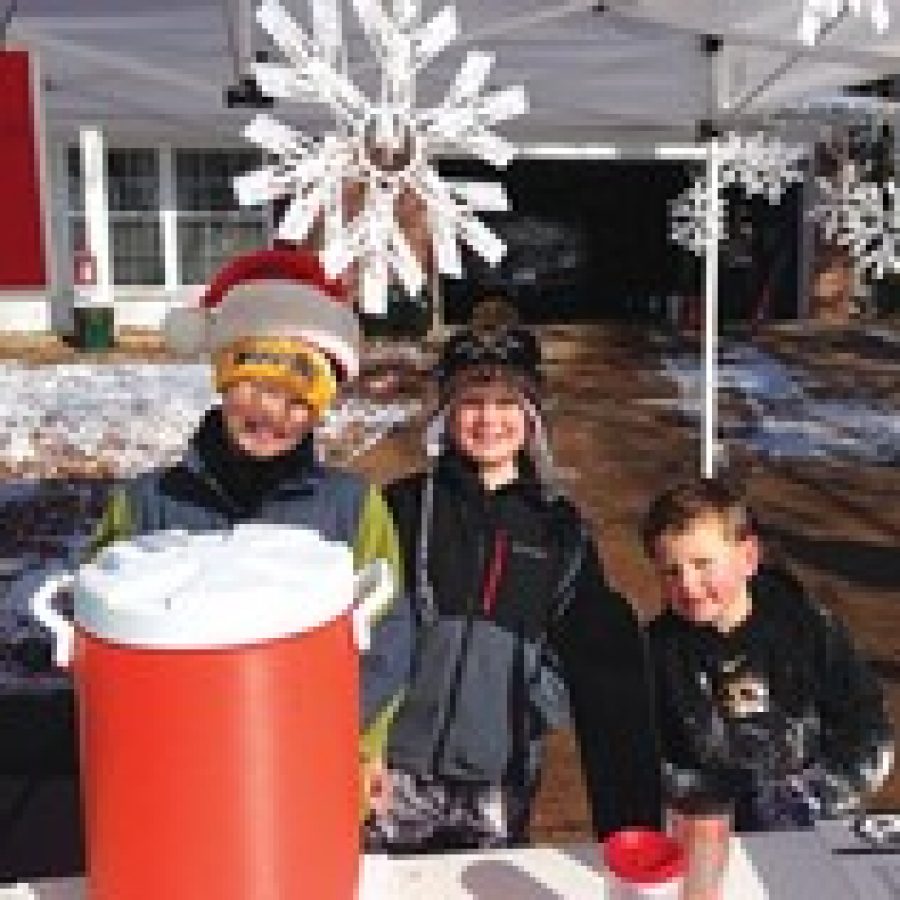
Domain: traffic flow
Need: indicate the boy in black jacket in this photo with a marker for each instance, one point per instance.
(516, 626)
(761, 697)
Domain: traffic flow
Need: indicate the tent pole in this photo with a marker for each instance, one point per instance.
(789, 63)
(710, 317)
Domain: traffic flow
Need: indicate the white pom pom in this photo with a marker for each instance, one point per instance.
(186, 330)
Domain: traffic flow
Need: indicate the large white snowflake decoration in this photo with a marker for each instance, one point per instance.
(864, 217)
(760, 165)
(382, 147)
(818, 13)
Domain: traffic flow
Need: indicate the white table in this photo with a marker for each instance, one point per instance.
(783, 866)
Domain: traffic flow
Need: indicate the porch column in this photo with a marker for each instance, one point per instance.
(96, 212)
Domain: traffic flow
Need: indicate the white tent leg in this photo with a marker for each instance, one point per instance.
(96, 210)
(711, 309)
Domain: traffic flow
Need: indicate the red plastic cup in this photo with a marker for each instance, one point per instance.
(644, 864)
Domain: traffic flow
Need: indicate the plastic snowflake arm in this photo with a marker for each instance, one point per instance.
(380, 29)
(264, 185)
(434, 37)
(279, 139)
(447, 255)
(403, 261)
(455, 120)
(363, 235)
(375, 285)
(466, 125)
(338, 255)
(471, 231)
(486, 196)
(301, 162)
(311, 62)
(327, 28)
(285, 83)
(302, 213)
(470, 79)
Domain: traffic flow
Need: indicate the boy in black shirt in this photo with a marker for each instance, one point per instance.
(761, 695)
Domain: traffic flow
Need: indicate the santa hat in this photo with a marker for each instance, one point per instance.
(273, 314)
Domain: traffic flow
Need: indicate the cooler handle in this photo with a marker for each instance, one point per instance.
(43, 610)
(373, 587)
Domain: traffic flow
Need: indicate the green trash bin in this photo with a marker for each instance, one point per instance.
(94, 327)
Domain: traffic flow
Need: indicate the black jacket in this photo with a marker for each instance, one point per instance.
(781, 713)
(517, 628)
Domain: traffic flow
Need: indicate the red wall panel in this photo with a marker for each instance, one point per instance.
(23, 263)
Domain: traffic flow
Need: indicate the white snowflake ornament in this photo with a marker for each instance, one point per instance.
(761, 166)
(382, 147)
(690, 218)
(862, 216)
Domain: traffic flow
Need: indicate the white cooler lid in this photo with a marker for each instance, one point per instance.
(174, 589)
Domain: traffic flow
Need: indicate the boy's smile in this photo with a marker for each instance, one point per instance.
(489, 425)
(705, 572)
(263, 419)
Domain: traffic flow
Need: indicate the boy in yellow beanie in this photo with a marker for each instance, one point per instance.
(282, 338)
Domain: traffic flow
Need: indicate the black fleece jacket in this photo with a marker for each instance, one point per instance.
(782, 714)
(500, 557)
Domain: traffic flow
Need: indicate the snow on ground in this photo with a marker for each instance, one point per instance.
(782, 413)
(131, 417)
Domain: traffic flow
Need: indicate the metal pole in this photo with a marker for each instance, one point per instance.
(710, 317)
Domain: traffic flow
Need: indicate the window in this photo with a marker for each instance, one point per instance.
(211, 225)
(133, 196)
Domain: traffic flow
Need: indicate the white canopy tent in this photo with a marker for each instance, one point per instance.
(627, 70)
(625, 74)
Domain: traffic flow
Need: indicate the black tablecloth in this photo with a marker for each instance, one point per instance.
(40, 808)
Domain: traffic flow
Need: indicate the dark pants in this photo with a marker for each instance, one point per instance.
(435, 815)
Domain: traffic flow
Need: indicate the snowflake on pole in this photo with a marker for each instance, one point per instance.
(762, 166)
(382, 148)
(864, 217)
(818, 13)
(689, 218)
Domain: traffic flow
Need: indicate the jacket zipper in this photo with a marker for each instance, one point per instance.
(453, 703)
(220, 492)
(495, 572)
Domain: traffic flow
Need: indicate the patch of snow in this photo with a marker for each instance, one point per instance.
(786, 419)
(132, 417)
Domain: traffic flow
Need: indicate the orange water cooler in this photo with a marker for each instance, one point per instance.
(219, 733)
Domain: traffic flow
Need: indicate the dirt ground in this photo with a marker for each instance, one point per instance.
(837, 523)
